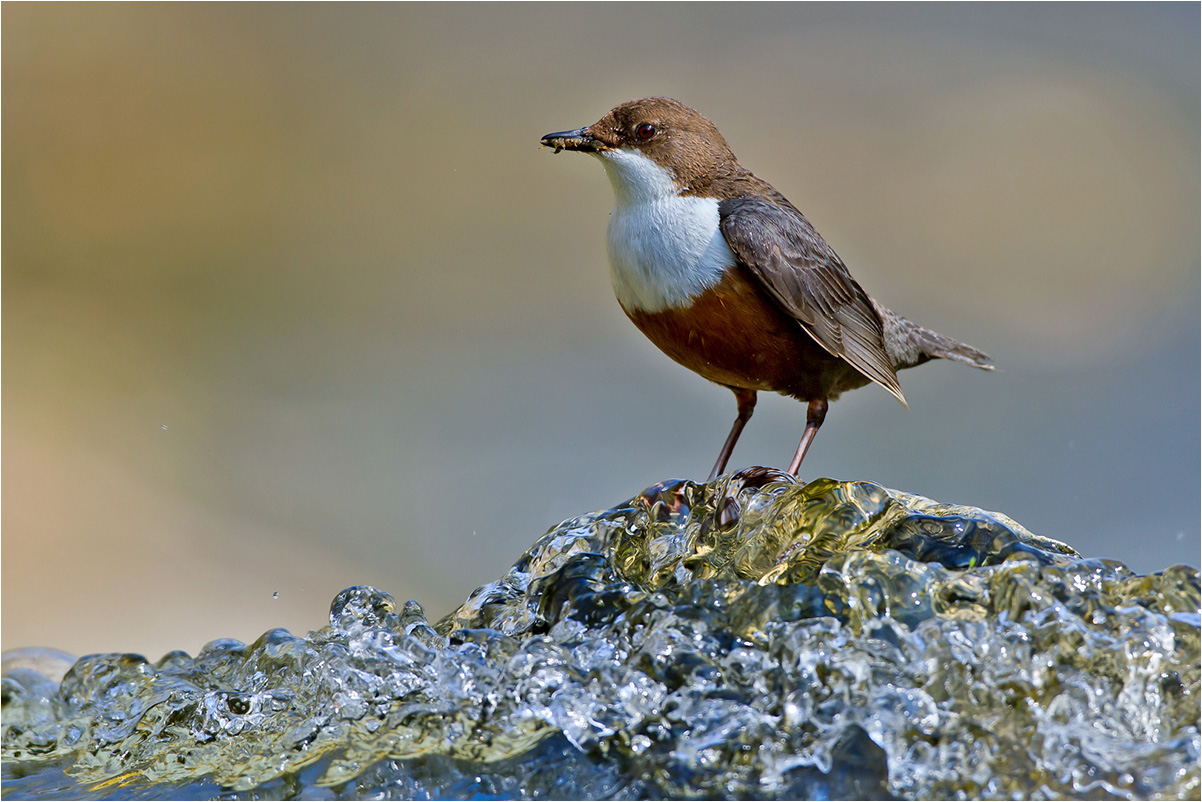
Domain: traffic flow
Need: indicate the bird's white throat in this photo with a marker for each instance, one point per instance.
(664, 248)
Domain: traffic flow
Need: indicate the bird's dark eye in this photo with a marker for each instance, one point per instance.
(645, 131)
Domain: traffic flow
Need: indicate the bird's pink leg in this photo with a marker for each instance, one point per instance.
(746, 402)
(815, 414)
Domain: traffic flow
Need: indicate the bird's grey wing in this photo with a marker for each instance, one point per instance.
(809, 281)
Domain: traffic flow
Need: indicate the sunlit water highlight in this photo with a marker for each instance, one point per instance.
(747, 638)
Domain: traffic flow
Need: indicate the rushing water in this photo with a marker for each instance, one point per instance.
(747, 638)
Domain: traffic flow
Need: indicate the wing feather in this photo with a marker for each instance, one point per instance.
(809, 281)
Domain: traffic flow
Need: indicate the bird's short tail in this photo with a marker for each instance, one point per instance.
(935, 345)
(909, 344)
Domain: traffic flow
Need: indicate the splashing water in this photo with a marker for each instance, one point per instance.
(747, 638)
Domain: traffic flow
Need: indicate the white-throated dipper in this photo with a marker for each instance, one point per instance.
(729, 279)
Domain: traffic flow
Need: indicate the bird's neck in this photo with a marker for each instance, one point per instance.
(637, 179)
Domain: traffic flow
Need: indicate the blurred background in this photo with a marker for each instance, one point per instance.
(293, 300)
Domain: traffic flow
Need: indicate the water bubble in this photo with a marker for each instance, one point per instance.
(361, 607)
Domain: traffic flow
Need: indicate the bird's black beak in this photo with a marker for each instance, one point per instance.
(580, 139)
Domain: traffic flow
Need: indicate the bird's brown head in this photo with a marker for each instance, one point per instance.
(666, 131)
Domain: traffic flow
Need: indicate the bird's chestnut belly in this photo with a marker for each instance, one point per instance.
(732, 334)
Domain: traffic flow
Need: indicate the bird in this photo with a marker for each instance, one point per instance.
(726, 277)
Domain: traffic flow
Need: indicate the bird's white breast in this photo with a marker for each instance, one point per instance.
(664, 248)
